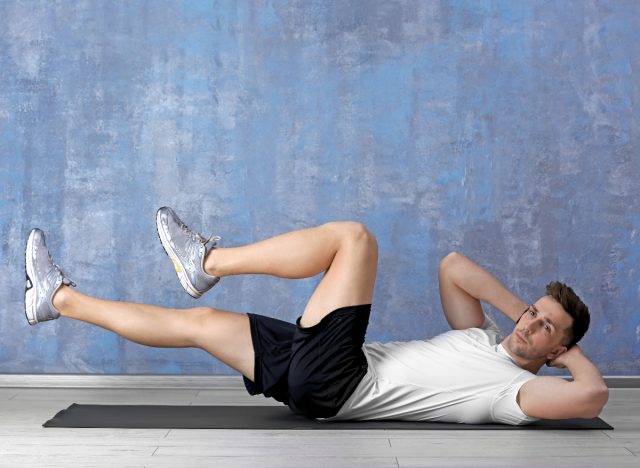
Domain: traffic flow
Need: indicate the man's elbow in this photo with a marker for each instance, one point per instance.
(597, 401)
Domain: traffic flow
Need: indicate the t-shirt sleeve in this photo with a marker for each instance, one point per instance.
(505, 408)
(490, 325)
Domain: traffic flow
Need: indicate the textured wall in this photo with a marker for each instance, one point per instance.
(506, 130)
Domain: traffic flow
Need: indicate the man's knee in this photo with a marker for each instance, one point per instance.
(354, 233)
(200, 320)
(202, 313)
(360, 238)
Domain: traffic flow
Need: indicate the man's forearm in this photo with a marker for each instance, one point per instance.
(482, 285)
(591, 388)
(584, 372)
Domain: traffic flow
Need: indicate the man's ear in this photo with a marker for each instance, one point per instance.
(557, 351)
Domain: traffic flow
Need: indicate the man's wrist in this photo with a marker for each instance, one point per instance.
(575, 359)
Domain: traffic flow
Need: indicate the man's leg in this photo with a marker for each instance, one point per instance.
(225, 335)
(346, 251)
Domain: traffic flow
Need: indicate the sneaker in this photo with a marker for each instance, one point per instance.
(44, 278)
(187, 250)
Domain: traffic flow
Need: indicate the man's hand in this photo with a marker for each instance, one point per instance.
(561, 361)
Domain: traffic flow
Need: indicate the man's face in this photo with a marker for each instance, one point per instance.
(540, 330)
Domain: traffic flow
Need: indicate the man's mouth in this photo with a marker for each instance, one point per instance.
(520, 337)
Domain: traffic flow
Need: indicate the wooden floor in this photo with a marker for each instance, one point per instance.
(25, 443)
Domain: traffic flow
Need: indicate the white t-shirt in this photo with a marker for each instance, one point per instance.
(463, 376)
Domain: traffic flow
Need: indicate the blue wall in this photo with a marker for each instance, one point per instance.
(507, 130)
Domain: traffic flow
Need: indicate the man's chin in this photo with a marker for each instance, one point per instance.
(516, 346)
(514, 341)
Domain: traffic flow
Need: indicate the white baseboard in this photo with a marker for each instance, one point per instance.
(121, 381)
(179, 381)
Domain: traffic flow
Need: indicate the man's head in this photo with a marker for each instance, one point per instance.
(577, 309)
(549, 327)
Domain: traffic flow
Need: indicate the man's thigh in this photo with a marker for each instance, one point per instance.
(227, 336)
(349, 281)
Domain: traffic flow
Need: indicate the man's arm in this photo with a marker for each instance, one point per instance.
(555, 398)
(463, 284)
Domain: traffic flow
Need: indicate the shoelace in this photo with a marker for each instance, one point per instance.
(197, 237)
(211, 238)
(66, 281)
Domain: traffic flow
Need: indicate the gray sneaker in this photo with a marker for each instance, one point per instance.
(187, 250)
(44, 278)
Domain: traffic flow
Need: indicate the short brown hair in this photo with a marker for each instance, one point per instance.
(572, 304)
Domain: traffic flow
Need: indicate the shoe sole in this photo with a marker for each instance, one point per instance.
(177, 265)
(30, 294)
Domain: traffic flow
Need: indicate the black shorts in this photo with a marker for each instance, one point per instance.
(312, 370)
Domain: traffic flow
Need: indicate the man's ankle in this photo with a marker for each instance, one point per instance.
(211, 265)
(62, 298)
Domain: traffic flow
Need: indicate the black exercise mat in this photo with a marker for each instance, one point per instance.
(258, 417)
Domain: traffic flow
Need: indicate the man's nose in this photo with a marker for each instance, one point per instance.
(534, 324)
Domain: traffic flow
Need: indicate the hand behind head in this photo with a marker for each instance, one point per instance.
(561, 360)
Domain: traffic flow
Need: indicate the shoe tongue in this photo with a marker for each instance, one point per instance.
(212, 239)
(67, 282)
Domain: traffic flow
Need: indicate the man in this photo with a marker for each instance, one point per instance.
(320, 367)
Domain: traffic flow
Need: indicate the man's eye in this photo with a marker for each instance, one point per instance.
(533, 312)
